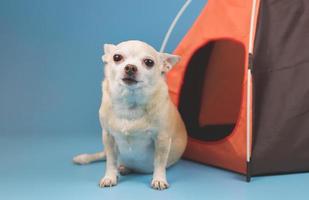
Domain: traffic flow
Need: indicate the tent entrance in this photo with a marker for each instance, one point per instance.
(210, 97)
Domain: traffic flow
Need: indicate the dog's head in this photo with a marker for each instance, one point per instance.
(135, 64)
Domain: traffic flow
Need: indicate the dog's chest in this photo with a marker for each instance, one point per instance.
(131, 141)
(126, 121)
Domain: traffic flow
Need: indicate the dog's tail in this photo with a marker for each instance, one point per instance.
(83, 159)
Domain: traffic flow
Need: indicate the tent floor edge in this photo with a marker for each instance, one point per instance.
(243, 174)
(280, 173)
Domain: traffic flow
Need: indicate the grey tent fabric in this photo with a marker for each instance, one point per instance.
(281, 88)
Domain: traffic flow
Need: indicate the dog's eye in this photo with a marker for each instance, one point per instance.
(148, 62)
(117, 57)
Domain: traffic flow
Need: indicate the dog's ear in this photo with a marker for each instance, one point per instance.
(107, 48)
(169, 60)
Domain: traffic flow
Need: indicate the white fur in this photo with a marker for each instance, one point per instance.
(142, 129)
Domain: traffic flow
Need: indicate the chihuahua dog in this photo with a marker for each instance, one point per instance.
(142, 129)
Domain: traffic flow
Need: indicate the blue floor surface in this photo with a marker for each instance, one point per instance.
(39, 167)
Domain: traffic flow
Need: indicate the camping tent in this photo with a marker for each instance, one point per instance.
(242, 86)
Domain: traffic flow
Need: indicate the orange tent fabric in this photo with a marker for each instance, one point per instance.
(225, 24)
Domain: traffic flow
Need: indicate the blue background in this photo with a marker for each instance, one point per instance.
(51, 66)
(50, 76)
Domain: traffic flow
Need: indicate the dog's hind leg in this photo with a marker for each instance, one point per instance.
(123, 170)
(83, 159)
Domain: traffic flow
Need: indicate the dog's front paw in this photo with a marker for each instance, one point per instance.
(108, 182)
(159, 184)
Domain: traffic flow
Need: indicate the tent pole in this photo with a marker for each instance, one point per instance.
(249, 88)
(173, 24)
(248, 173)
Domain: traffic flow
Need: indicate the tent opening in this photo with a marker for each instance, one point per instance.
(210, 97)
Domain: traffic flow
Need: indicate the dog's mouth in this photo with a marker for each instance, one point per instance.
(129, 81)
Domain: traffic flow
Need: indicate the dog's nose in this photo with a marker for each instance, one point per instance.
(130, 69)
